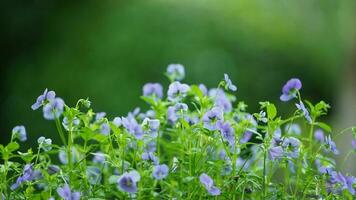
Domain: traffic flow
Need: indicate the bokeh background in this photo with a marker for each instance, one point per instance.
(106, 50)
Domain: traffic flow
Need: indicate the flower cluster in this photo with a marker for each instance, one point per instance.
(193, 142)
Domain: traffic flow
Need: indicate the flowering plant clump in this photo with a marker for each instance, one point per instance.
(193, 143)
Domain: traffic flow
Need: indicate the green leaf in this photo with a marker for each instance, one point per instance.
(324, 126)
(13, 146)
(271, 111)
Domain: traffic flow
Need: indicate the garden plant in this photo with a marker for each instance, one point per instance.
(193, 143)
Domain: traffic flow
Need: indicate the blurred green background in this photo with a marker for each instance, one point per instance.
(106, 50)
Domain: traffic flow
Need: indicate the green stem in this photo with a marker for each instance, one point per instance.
(60, 131)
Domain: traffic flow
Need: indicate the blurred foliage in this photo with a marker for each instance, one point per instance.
(106, 50)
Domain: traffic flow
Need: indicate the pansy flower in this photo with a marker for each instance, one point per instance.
(53, 109)
(290, 89)
(66, 193)
(176, 72)
(128, 181)
(211, 117)
(208, 183)
(228, 83)
(330, 145)
(150, 89)
(160, 171)
(304, 111)
(20, 133)
(177, 91)
(46, 96)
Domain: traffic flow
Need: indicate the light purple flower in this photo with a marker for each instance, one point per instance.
(28, 175)
(229, 84)
(203, 89)
(73, 124)
(208, 183)
(52, 169)
(67, 194)
(345, 182)
(128, 181)
(211, 117)
(177, 91)
(63, 157)
(44, 143)
(99, 116)
(117, 121)
(353, 143)
(227, 132)
(133, 127)
(275, 152)
(99, 157)
(324, 165)
(150, 89)
(319, 135)
(246, 137)
(290, 89)
(176, 72)
(151, 126)
(304, 111)
(291, 147)
(105, 129)
(53, 109)
(149, 156)
(293, 129)
(93, 175)
(46, 96)
(176, 112)
(330, 145)
(160, 172)
(20, 133)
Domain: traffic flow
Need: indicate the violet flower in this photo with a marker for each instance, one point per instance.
(229, 84)
(128, 181)
(66, 193)
(160, 172)
(211, 117)
(155, 89)
(208, 183)
(46, 96)
(176, 72)
(20, 133)
(290, 89)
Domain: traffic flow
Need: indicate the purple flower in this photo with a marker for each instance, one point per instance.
(128, 181)
(291, 147)
(67, 194)
(52, 169)
(63, 157)
(353, 143)
(319, 135)
(28, 174)
(151, 126)
(176, 72)
(155, 89)
(229, 84)
(177, 91)
(99, 116)
(132, 127)
(45, 144)
(246, 137)
(105, 129)
(324, 165)
(220, 99)
(70, 124)
(211, 117)
(293, 129)
(208, 183)
(160, 172)
(42, 98)
(20, 133)
(203, 89)
(275, 152)
(330, 145)
(149, 156)
(53, 109)
(151, 146)
(304, 111)
(93, 175)
(227, 132)
(176, 112)
(345, 182)
(117, 121)
(99, 157)
(290, 89)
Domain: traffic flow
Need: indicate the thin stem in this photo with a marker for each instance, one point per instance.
(60, 131)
